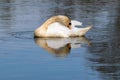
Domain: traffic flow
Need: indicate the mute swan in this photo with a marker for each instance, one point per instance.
(60, 26)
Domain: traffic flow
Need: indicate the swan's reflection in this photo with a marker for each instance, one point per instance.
(61, 46)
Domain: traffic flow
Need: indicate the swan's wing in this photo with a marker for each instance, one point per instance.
(58, 30)
(76, 23)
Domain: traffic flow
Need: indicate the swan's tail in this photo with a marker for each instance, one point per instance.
(88, 27)
(83, 31)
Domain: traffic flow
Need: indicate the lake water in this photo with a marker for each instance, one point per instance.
(93, 57)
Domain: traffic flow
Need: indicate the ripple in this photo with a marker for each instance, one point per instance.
(23, 35)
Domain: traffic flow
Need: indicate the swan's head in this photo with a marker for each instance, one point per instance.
(64, 20)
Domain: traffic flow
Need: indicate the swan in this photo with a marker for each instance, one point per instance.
(60, 26)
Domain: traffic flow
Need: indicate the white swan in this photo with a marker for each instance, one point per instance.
(60, 26)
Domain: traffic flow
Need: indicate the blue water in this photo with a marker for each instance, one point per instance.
(93, 57)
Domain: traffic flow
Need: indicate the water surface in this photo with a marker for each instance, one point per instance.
(94, 57)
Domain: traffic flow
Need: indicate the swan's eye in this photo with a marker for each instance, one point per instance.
(69, 23)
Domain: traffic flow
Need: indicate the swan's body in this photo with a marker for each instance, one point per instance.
(60, 26)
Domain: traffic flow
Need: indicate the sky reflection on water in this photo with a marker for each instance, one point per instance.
(22, 58)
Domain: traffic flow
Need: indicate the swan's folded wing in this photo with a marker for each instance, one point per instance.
(58, 30)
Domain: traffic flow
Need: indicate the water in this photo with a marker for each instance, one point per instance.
(94, 57)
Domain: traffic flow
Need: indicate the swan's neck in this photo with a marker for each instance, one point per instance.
(41, 31)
